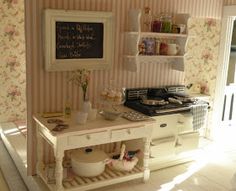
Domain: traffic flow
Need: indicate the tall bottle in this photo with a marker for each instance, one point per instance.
(67, 110)
(147, 20)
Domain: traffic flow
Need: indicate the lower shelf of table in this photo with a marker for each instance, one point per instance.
(108, 177)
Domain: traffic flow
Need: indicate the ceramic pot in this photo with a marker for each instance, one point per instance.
(88, 162)
(173, 49)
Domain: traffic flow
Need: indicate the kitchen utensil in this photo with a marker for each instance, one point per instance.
(154, 102)
(88, 162)
(173, 100)
(173, 49)
(135, 116)
(110, 115)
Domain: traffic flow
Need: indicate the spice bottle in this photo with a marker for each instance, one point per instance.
(67, 111)
(156, 24)
(147, 20)
(166, 23)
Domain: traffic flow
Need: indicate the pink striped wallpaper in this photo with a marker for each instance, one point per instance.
(47, 91)
(50, 90)
(229, 2)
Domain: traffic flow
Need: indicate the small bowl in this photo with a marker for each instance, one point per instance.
(110, 115)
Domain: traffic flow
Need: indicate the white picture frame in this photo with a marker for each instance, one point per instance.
(57, 55)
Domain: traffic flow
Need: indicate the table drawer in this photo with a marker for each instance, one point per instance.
(130, 133)
(88, 139)
(162, 147)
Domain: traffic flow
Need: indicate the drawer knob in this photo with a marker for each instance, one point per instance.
(128, 131)
(88, 137)
(163, 125)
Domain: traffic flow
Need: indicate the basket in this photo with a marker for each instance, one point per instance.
(123, 165)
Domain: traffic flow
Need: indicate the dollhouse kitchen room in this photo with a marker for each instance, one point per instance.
(120, 95)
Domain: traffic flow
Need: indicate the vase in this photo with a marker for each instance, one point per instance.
(87, 106)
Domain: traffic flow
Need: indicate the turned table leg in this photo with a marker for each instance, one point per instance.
(40, 164)
(59, 171)
(145, 159)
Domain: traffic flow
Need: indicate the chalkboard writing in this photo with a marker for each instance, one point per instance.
(79, 40)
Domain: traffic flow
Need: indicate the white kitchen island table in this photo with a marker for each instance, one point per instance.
(99, 131)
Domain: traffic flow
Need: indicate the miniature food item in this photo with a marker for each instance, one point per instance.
(111, 95)
(118, 97)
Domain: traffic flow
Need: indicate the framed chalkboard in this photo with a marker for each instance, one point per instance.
(78, 39)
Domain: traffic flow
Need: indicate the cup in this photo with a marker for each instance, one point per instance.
(163, 48)
(82, 117)
(182, 28)
(173, 49)
(92, 114)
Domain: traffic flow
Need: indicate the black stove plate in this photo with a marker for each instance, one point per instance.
(151, 110)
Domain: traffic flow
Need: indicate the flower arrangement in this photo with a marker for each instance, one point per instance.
(81, 78)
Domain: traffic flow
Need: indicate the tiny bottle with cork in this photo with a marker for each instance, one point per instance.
(147, 20)
(156, 24)
(166, 19)
(67, 110)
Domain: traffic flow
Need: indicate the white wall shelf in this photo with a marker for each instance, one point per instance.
(132, 56)
(146, 34)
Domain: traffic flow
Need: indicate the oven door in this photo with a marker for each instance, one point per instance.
(185, 122)
(166, 126)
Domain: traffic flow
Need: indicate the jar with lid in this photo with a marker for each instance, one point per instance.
(166, 23)
(156, 24)
(147, 19)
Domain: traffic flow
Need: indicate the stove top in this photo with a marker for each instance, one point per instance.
(175, 101)
(158, 110)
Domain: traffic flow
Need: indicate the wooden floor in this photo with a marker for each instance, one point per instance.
(3, 184)
(213, 170)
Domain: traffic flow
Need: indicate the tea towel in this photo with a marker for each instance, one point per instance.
(199, 112)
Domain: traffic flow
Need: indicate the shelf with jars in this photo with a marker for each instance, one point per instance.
(155, 39)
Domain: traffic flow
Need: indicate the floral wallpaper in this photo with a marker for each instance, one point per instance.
(202, 57)
(202, 53)
(200, 63)
(12, 63)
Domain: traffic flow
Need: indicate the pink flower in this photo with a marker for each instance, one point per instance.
(12, 63)
(10, 31)
(207, 55)
(13, 92)
(209, 23)
(10, 2)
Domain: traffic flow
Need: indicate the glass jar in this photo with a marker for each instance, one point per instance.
(166, 23)
(147, 20)
(156, 24)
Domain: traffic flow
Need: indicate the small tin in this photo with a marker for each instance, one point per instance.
(175, 29)
(150, 46)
